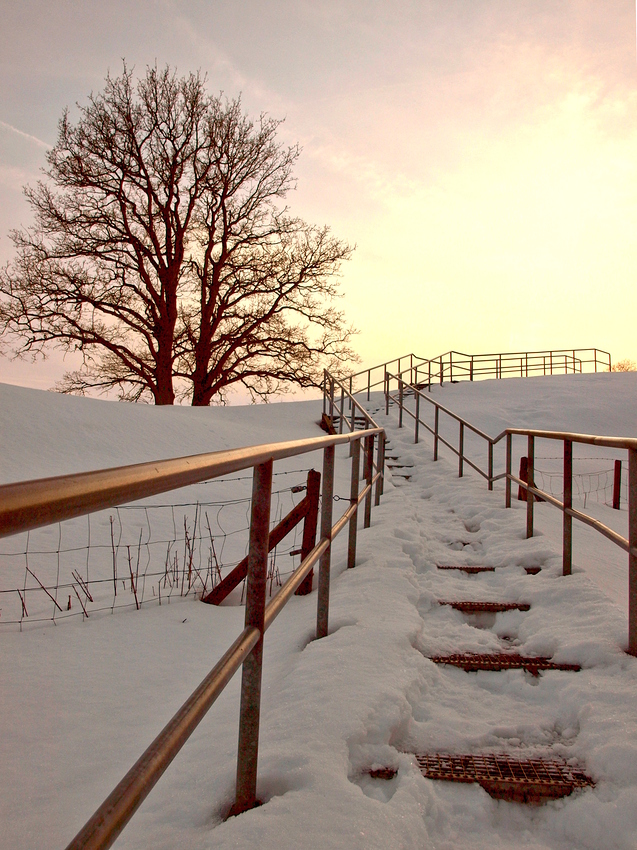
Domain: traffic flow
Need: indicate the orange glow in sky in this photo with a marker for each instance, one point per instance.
(481, 154)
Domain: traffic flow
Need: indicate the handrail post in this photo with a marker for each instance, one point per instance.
(461, 450)
(632, 558)
(368, 475)
(429, 375)
(441, 370)
(471, 369)
(353, 496)
(327, 502)
(490, 468)
(380, 464)
(417, 420)
(332, 400)
(507, 484)
(324, 391)
(530, 480)
(401, 395)
(386, 393)
(436, 418)
(369, 382)
(567, 524)
(342, 411)
(451, 367)
(350, 394)
(246, 797)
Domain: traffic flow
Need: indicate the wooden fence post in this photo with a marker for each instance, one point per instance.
(309, 527)
(617, 484)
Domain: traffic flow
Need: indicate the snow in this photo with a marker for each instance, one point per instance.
(82, 699)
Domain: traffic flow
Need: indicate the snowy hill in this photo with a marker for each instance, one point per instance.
(81, 700)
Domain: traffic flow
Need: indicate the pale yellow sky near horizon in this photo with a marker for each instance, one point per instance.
(481, 154)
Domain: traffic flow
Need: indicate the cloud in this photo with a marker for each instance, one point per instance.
(28, 136)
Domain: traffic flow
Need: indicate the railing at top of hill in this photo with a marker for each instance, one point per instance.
(457, 366)
(422, 400)
(33, 504)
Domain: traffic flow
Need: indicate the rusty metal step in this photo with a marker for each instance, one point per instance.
(470, 607)
(531, 571)
(506, 778)
(472, 662)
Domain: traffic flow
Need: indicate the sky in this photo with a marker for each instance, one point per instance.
(480, 154)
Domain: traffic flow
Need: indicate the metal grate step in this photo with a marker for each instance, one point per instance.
(530, 571)
(472, 662)
(468, 607)
(506, 778)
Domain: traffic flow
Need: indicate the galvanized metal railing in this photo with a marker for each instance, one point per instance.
(458, 366)
(335, 395)
(337, 413)
(628, 444)
(32, 504)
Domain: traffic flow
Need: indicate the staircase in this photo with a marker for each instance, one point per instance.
(528, 781)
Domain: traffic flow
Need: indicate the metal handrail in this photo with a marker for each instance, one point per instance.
(31, 504)
(329, 402)
(569, 513)
(445, 367)
(587, 439)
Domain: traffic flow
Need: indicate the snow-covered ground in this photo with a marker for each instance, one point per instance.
(80, 700)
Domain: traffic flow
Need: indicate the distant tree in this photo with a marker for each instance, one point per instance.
(624, 366)
(162, 253)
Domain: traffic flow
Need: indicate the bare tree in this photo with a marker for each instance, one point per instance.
(162, 252)
(624, 366)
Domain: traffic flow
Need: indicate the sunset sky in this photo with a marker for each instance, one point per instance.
(481, 154)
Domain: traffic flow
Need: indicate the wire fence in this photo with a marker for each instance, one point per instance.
(138, 555)
(595, 485)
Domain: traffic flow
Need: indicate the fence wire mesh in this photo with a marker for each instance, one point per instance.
(589, 485)
(138, 555)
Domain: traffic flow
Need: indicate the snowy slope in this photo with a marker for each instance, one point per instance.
(80, 701)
